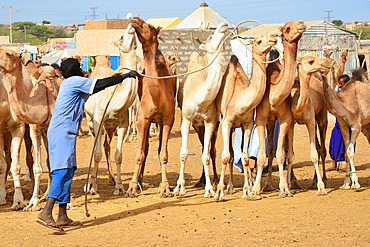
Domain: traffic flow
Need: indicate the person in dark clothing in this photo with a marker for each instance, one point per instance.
(62, 132)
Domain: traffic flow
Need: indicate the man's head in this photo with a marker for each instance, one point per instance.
(342, 80)
(71, 67)
(273, 54)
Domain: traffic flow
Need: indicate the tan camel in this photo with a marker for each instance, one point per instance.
(157, 104)
(274, 104)
(33, 105)
(197, 103)
(236, 101)
(351, 108)
(307, 104)
(117, 115)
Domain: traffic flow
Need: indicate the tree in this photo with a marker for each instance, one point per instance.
(20, 25)
(45, 22)
(365, 32)
(338, 23)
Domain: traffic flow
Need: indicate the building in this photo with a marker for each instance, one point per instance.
(105, 24)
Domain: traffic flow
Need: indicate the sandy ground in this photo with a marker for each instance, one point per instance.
(340, 218)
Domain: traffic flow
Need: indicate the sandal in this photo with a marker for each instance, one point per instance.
(52, 225)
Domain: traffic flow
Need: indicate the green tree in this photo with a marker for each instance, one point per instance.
(20, 25)
(45, 22)
(365, 32)
(338, 23)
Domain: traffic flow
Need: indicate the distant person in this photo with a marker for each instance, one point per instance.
(62, 132)
(337, 148)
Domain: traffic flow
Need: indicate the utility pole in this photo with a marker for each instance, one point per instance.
(329, 17)
(25, 33)
(94, 15)
(10, 10)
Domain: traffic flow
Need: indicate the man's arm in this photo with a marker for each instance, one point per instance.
(101, 84)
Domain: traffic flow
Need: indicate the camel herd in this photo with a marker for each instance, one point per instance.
(300, 90)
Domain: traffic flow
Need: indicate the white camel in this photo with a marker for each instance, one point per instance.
(197, 102)
(117, 112)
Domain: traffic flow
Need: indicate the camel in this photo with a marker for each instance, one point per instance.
(236, 101)
(307, 104)
(274, 104)
(157, 104)
(117, 115)
(197, 103)
(351, 108)
(317, 99)
(31, 104)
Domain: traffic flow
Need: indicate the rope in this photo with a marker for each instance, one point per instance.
(92, 152)
(218, 51)
(141, 189)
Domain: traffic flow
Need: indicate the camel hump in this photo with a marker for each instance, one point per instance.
(359, 75)
(234, 60)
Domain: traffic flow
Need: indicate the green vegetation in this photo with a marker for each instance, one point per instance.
(36, 35)
(338, 23)
(365, 32)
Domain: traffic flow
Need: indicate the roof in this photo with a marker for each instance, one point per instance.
(313, 27)
(166, 23)
(203, 18)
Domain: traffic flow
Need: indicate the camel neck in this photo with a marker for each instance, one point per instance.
(149, 54)
(31, 108)
(281, 88)
(333, 102)
(259, 77)
(304, 84)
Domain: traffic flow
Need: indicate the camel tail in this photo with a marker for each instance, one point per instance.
(234, 60)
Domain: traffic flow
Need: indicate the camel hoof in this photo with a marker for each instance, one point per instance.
(132, 196)
(355, 186)
(321, 193)
(170, 195)
(345, 187)
(19, 205)
(118, 192)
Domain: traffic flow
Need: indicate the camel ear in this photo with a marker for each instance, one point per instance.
(251, 41)
(281, 28)
(159, 30)
(299, 60)
(202, 47)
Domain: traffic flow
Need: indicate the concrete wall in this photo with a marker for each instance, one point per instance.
(4, 39)
(188, 41)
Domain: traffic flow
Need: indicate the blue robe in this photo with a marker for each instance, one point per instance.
(337, 148)
(66, 120)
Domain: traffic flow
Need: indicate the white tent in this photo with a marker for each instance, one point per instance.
(56, 56)
(203, 18)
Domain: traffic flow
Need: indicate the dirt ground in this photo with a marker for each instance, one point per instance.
(340, 218)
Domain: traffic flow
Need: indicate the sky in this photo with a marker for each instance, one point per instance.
(266, 11)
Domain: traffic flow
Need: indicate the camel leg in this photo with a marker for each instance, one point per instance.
(291, 179)
(6, 144)
(3, 170)
(107, 142)
(46, 145)
(350, 153)
(29, 158)
(248, 126)
(270, 126)
(209, 129)
(35, 133)
(122, 130)
(230, 186)
(285, 122)
(17, 136)
(225, 158)
(213, 157)
(323, 126)
(92, 186)
(164, 189)
(143, 129)
(184, 152)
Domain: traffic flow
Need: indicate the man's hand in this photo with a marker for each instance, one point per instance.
(133, 74)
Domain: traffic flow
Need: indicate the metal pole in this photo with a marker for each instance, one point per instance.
(10, 10)
(25, 33)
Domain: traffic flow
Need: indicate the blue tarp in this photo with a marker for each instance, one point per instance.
(114, 61)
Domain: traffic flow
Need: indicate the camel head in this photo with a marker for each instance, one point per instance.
(127, 41)
(102, 60)
(171, 60)
(309, 65)
(214, 41)
(9, 60)
(292, 31)
(262, 44)
(343, 54)
(327, 53)
(146, 33)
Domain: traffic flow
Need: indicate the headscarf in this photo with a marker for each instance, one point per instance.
(71, 67)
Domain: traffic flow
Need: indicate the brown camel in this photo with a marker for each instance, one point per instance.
(274, 104)
(351, 107)
(32, 104)
(236, 101)
(157, 104)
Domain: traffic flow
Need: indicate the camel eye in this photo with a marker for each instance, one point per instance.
(8, 54)
(259, 42)
(288, 29)
(311, 62)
